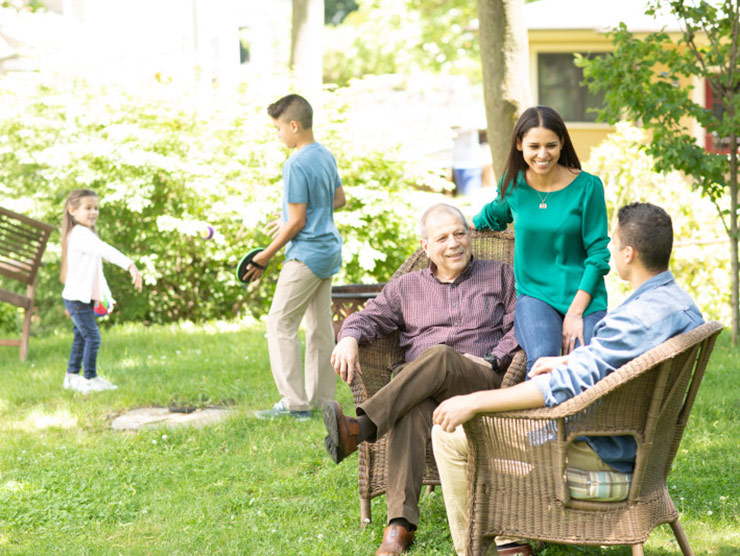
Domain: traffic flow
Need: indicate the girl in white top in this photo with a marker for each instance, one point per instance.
(85, 286)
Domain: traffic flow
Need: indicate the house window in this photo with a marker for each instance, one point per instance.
(559, 86)
(714, 143)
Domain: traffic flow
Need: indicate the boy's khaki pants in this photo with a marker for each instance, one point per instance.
(300, 292)
(451, 455)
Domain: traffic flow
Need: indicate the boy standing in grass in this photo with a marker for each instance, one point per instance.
(312, 190)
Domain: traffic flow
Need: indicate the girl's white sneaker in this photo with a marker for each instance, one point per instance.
(75, 382)
(98, 384)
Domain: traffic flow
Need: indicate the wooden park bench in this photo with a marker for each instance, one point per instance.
(22, 242)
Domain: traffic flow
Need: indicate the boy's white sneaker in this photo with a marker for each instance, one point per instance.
(98, 384)
(73, 381)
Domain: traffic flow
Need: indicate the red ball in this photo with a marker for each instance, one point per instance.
(100, 308)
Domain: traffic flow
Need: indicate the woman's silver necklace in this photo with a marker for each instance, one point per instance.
(543, 204)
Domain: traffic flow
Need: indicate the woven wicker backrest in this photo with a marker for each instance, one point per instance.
(676, 387)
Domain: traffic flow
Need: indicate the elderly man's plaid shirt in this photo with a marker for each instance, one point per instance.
(474, 314)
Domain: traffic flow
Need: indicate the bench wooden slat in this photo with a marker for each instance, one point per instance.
(25, 219)
(22, 272)
(10, 342)
(22, 245)
(15, 299)
(21, 240)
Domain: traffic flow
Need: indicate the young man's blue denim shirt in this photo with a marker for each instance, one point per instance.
(656, 311)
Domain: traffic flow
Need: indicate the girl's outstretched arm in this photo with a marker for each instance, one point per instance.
(136, 279)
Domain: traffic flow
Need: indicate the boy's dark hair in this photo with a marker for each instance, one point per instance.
(292, 107)
(647, 228)
(537, 116)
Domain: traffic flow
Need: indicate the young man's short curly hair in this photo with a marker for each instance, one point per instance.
(292, 107)
(647, 228)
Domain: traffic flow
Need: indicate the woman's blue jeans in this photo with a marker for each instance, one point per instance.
(86, 341)
(538, 328)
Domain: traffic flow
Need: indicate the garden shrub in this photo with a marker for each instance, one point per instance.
(407, 37)
(164, 168)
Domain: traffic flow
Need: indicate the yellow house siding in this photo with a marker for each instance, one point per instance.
(586, 135)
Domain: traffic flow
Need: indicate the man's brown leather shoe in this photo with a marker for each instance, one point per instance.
(343, 431)
(396, 540)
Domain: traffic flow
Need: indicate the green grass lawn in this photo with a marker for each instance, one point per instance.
(70, 485)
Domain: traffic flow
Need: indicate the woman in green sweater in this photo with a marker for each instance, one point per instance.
(560, 253)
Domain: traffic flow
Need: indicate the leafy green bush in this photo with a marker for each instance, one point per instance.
(165, 166)
(9, 321)
(700, 260)
(388, 36)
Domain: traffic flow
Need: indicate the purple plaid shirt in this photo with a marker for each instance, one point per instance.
(474, 314)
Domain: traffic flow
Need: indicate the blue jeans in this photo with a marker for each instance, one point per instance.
(86, 340)
(538, 328)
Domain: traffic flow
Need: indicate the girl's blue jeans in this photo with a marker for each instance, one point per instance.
(538, 328)
(86, 340)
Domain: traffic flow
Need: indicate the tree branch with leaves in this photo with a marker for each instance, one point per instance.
(650, 80)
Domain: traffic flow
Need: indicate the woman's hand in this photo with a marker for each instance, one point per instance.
(573, 321)
(572, 331)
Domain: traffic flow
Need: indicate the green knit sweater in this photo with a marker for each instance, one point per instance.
(559, 249)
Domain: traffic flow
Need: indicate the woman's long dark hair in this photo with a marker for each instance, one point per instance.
(537, 116)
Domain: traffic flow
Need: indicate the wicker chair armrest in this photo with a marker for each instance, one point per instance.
(623, 375)
(376, 360)
(517, 370)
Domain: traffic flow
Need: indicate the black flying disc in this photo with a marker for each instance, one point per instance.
(241, 268)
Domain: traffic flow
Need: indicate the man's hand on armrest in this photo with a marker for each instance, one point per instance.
(461, 409)
(547, 364)
(345, 359)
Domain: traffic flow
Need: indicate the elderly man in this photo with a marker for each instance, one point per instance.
(455, 321)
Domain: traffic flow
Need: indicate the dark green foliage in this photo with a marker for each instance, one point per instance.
(164, 167)
(651, 80)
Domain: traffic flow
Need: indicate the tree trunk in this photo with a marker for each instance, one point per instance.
(504, 53)
(734, 265)
(307, 49)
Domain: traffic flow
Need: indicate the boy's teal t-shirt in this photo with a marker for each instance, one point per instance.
(559, 249)
(310, 176)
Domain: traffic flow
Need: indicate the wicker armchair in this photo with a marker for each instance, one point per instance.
(516, 473)
(378, 359)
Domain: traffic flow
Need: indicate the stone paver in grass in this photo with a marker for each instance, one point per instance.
(151, 417)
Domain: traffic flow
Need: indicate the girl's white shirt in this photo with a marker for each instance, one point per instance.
(85, 254)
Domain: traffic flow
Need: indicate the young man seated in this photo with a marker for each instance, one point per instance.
(656, 310)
